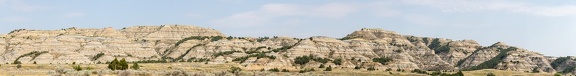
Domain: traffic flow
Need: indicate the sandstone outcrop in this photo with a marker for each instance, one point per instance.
(185, 43)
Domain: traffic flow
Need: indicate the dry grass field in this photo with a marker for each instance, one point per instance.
(200, 69)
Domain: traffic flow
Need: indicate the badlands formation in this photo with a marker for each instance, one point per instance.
(186, 43)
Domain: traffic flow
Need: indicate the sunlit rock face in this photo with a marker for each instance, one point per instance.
(187, 43)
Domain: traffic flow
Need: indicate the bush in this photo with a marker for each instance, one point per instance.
(16, 62)
(569, 69)
(306, 70)
(302, 60)
(282, 49)
(235, 69)
(322, 60)
(389, 69)
(258, 56)
(357, 67)
(383, 61)
(371, 69)
(285, 70)
(490, 74)
(135, 66)
(77, 68)
(97, 56)
(419, 71)
(558, 61)
(337, 61)
(18, 66)
(305, 59)
(491, 64)
(274, 70)
(224, 53)
(557, 74)
(321, 66)
(118, 65)
(329, 68)
(535, 70)
(459, 73)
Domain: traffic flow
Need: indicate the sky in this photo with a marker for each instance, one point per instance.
(545, 26)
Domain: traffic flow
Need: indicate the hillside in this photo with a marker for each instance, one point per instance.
(368, 47)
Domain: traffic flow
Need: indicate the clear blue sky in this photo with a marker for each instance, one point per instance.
(545, 26)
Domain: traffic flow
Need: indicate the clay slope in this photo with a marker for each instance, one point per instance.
(185, 43)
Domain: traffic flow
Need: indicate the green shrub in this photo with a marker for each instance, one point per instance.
(558, 61)
(337, 61)
(18, 66)
(16, 62)
(329, 68)
(356, 67)
(282, 49)
(383, 61)
(274, 70)
(322, 60)
(490, 74)
(371, 69)
(419, 71)
(569, 69)
(306, 70)
(135, 66)
(97, 56)
(224, 53)
(118, 65)
(491, 64)
(302, 60)
(77, 68)
(258, 56)
(321, 66)
(305, 59)
(557, 74)
(285, 70)
(235, 69)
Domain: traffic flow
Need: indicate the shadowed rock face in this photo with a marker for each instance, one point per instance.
(192, 43)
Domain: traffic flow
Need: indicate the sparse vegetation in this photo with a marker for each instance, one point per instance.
(306, 70)
(32, 54)
(77, 67)
(305, 59)
(568, 69)
(490, 74)
(329, 68)
(274, 70)
(212, 38)
(419, 71)
(224, 53)
(383, 61)
(258, 56)
(118, 65)
(357, 67)
(371, 69)
(490, 64)
(535, 70)
(235, 70)
(282, 49)
(135, 66)
(337, 61)
(558, 61)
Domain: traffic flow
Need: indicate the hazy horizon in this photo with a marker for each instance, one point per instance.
(547, 27)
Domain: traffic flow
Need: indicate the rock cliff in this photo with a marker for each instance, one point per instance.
(186, 43)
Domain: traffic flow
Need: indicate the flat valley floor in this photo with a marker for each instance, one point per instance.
(201, 69)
